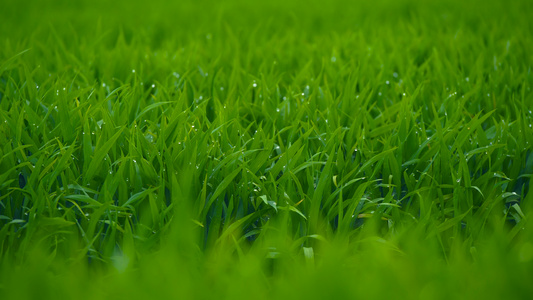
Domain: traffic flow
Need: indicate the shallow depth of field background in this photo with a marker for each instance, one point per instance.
(266, 149)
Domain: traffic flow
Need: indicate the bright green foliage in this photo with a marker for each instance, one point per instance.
(294, 149)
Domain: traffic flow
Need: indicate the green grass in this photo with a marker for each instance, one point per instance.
(276, 149)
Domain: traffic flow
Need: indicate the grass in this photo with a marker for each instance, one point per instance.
(280, 149)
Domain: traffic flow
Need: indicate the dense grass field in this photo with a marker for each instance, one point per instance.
(273, 149)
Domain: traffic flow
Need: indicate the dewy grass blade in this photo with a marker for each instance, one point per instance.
(99, 155)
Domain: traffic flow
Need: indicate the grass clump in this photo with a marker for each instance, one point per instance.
(276, 149)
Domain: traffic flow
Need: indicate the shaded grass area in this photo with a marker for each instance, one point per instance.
(277, 149)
